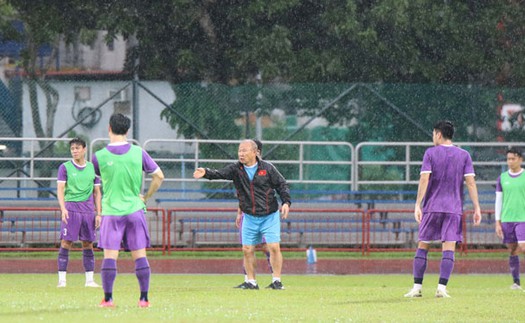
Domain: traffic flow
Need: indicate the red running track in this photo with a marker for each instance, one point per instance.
(292, 266)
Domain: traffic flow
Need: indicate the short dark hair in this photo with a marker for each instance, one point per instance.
(514, 150)
(446, 128)
(258, 143)
(119, 124)
(77, 141)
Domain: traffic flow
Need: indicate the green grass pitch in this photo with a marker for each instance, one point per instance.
(310, 298)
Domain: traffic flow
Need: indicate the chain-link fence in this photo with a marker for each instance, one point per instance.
(341, 112)
(353, 113)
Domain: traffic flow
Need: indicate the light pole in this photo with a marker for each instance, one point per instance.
(258, 103)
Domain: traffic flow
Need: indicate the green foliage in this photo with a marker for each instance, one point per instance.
(475, 43)
(212, 109)
(321, 41)
(420, 41)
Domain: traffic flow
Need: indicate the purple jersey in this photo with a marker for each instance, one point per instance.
(88, 205)
(447, 165)
(148, 164)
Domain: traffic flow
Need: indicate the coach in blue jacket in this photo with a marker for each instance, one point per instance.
(256, 182)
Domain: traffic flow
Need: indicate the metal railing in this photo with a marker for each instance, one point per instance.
(23, 166)
(192, 147)
(485, 156)
(391, 163)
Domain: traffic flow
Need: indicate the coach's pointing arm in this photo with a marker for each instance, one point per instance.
(208, 173)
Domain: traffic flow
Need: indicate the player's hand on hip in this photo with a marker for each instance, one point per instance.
(65, 216)
(199, 172)
(284, 211)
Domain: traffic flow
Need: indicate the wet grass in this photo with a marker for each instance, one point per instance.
(211, 298)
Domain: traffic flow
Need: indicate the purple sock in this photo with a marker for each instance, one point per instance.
(63, 259)
(269, 262)
(420, 265)
(514, 264)
(143, 273)
(108, 273)
(88, 259)
(447, 264)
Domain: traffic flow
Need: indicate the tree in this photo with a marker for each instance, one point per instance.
(297, 41)
(230, 42)
(44, 24)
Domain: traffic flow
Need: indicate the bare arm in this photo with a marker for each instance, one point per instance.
(98, 204)
(156, 181)
(238, 219)
(61, 188)
(497, 213)
(473, 192)
(285, 209)
(421, 191)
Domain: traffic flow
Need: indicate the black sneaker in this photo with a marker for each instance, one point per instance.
(240, 286)
(247, 285)
(276, 285)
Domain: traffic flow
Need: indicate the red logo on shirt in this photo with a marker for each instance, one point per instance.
(262, 172)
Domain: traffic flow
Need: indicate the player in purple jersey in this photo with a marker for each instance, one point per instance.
(510, 211)
(444, 169)
(120, 166)
(78, 193)
(238, 224)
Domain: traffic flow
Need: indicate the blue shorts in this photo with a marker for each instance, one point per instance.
(240, 232)
(255, 227)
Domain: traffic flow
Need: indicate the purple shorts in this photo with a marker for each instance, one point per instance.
(132, 229)
(80, 226)
(440, 226)
(513, 232)
(240, 232)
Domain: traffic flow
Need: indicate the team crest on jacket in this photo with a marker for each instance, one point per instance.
(262, 172)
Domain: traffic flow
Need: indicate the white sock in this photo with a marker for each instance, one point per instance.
(442, 287)
(62, 276)
(252, 281)
(245, 278)
(89, 276)
(276, 279)
(417, 286)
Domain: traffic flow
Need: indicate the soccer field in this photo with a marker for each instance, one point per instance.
(211, 298)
